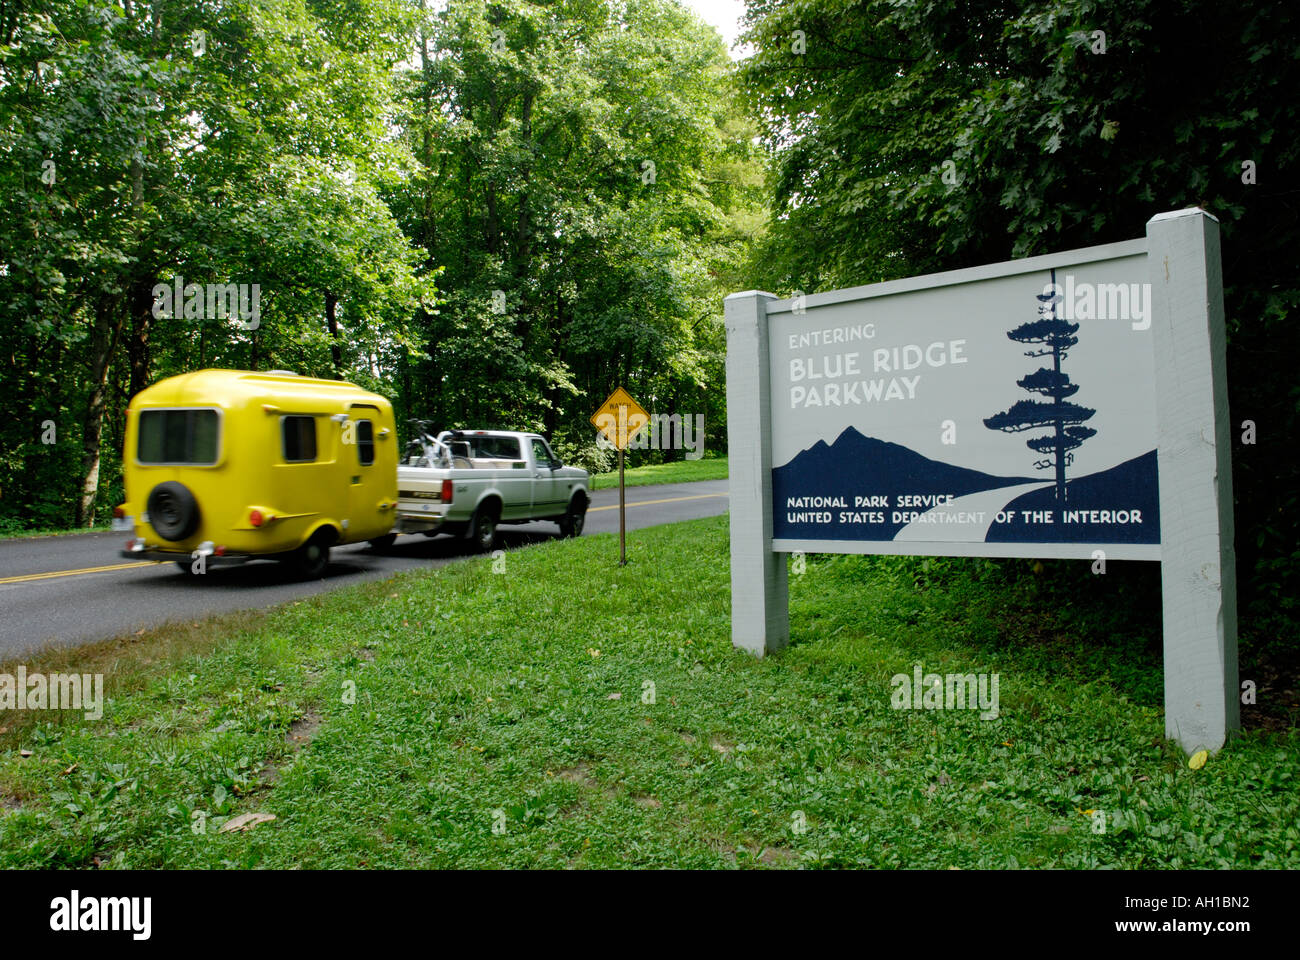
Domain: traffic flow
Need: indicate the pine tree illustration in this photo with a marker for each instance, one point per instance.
(1063, 419)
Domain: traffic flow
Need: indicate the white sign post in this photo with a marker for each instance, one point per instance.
(1198, 560)
(1071, 405)
(760, 616)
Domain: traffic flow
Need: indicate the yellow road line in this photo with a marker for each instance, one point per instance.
(75, 573)
(646, 503)
(149, 563)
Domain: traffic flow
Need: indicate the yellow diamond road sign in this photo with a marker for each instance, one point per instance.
(619, 418)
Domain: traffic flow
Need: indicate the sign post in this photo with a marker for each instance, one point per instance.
(1198, 569)
(1072, 405)
(760, 619)
(619, 418)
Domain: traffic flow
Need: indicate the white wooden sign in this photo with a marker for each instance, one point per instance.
(1071, 405)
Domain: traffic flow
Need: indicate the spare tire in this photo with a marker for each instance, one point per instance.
(173, 511)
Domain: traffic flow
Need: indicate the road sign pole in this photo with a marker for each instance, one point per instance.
(622, 442)
(614, 418)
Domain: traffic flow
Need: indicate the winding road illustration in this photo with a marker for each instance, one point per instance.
(940, 523)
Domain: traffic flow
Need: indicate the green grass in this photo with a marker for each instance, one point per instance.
(681, 471)
(10, 533)
(515, 699)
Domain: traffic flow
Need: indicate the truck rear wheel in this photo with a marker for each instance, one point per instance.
(483, 528)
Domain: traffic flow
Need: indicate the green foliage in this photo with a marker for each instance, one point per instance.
(586, 178)
(143, 142)
(589, 455)
(450, 207)
(915, 137)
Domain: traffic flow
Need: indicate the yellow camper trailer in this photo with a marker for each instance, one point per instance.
(223, 466)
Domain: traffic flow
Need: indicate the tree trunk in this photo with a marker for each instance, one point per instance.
(1060, 422)
(103, 339)
(52, 388)
(138, 345)
(492, 229)
(674, 451)
(332, 323)
(140, 290)
(551, 417)
(32, 390)
(523, 223)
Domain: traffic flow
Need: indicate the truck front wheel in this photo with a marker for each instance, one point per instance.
(571, 523)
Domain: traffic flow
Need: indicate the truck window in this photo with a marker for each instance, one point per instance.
(178, 436)
(541, 452)
(299, 439)
(366, 442)
(496, 448)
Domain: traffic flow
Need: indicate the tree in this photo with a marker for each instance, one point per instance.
(143, 141)
(587, 179)
(1057, 336)
(344, 155)
(908, 138)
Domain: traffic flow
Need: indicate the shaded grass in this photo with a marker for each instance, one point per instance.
(9, 533)
(681, 471)
(569, 713)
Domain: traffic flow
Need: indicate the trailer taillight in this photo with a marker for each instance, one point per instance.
(118, 513)
(255, 517)
(446, 491)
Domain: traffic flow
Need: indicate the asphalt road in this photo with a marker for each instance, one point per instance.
(74, 589)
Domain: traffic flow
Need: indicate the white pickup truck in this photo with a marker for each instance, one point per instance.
(466, 482)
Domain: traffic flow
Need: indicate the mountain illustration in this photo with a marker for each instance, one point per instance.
(857, 465)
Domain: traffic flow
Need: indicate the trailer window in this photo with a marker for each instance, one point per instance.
(365, 442)
(299, 436)
(178, 436)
